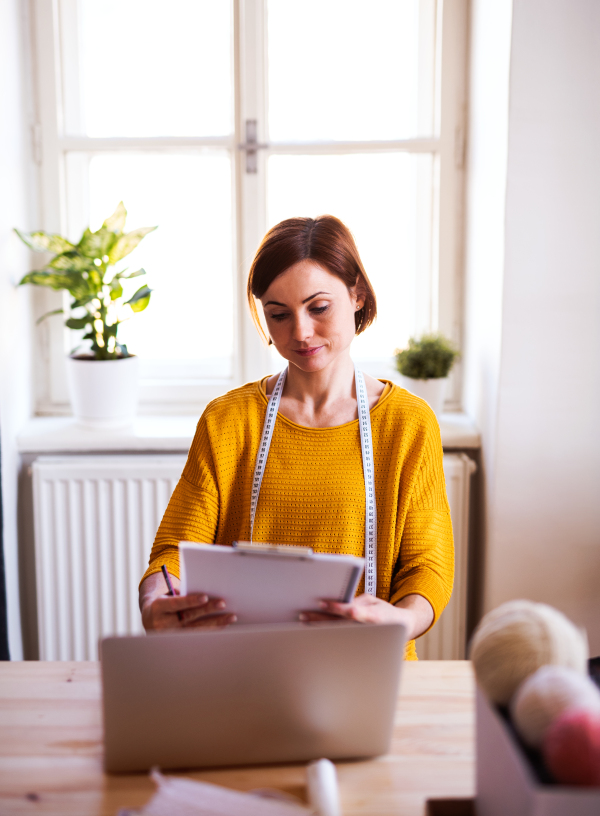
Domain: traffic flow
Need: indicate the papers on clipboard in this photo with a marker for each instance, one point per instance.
(265, 583)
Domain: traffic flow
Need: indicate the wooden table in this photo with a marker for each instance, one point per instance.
(51, 747)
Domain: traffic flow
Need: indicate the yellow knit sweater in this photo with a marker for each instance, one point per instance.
(313, 491)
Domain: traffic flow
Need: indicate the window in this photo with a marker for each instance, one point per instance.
(217, 119)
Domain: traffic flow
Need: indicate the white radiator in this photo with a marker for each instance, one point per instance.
(446, 641)
(95, 520)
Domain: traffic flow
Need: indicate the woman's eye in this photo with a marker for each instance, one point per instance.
(319, 309)
(278, 317)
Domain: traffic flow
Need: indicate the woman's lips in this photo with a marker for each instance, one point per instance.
(308, 352)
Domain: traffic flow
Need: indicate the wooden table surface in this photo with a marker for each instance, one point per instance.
(51, 747)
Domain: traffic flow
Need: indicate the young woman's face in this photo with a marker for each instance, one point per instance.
(310, 315)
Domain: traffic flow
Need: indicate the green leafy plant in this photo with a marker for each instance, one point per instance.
(430, 357)
(86, 271)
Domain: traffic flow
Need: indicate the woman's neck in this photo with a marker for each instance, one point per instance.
(318, 389)
(323, 399)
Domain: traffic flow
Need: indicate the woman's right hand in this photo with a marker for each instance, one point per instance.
(162, 611)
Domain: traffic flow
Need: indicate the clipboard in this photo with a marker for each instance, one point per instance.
(266, 583)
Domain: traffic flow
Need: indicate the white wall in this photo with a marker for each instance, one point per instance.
(15, 210)
(487, 143)
(543, 463)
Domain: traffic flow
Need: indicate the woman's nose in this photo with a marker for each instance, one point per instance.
(302, 328)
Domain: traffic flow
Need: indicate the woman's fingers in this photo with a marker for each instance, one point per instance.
(168, 612)
(179, 603)
(310, 617)
(350, 611)
(332, 610)
(367, 609)
(364, 609)
(212, 606)
(212, 622)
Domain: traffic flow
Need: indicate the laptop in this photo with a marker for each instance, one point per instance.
(245, 695)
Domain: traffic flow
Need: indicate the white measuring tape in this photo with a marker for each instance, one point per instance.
(265, 444)
(366, 443)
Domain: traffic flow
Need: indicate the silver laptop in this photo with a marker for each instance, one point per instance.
(250, 694)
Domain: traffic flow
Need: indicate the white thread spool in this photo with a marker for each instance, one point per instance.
(518, 637)
(322, 785)
(545, 695)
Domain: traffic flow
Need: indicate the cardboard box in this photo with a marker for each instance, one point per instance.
(506, 782)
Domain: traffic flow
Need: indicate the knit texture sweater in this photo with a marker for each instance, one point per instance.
(313, 491)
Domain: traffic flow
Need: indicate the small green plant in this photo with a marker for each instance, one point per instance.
(85, 270)
(430, 357)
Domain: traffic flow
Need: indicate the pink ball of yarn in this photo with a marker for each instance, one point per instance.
(545, 695)
(572, 748)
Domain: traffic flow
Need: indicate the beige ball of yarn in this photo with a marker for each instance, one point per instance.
(515, 639)
(545, 695)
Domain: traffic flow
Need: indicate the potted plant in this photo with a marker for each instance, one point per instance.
(424, 367)
(102, 378)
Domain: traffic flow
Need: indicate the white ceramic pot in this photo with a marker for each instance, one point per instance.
(104, 393)
(432, 391)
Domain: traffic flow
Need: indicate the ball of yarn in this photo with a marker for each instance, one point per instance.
(571, 748)
(518, 637)
(546, 694)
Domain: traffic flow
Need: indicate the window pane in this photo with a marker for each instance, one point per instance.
(150, 68)
(391, 220)
(188, 260)
(346, 69)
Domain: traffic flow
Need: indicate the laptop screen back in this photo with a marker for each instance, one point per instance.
(250, 694)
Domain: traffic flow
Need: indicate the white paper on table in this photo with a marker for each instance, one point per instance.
(186, 797)
(268, 586)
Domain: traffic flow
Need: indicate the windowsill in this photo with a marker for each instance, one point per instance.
(459, 431)
(171, 434)
(147, 434)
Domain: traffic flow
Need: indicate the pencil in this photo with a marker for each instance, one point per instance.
(171, 591)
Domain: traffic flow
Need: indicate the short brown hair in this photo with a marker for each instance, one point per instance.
(324, 240)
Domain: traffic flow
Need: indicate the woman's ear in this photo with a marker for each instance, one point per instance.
(358, 292)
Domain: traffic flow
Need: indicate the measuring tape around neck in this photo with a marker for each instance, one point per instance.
(265, 444)
(366, 443)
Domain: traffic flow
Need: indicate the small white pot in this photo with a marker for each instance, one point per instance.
(104, 393)
(432, 391)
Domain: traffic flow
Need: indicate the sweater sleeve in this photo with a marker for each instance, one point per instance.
(193, 510)
(426, 562)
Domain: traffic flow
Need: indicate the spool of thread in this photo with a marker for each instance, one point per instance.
(321, 779)
(518, 637)
(545, 695)
(572, 748)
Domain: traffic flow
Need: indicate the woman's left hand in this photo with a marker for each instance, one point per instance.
(414, 611)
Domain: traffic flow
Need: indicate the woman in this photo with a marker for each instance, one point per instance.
(316, 297)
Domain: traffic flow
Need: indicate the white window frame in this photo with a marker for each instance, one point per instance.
(252, 359)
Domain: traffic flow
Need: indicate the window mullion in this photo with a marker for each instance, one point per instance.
(453, 102)
(98, 144)
(251, 104)
(427, 145)
(50, 336)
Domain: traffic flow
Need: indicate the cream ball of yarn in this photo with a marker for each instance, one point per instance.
(546, 694)
(518, 637)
